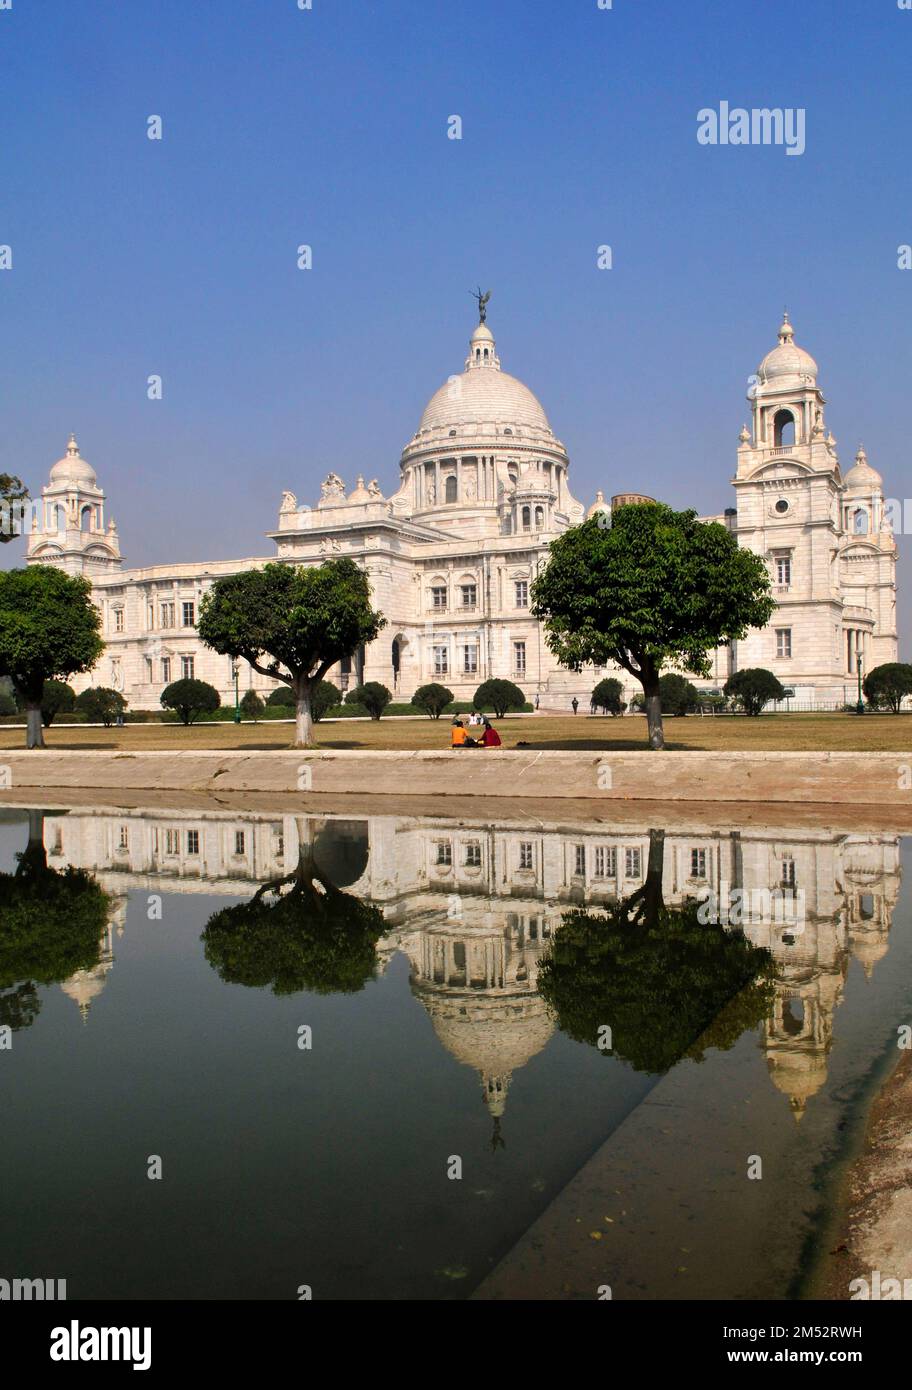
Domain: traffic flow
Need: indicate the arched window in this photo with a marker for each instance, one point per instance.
(85, 519)
(527, 518)
(783, 429)
(860, 522)
(539, 518)
(450, 489)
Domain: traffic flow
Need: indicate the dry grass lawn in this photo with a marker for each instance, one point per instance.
(875, 733)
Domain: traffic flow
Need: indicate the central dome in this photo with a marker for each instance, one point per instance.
(483, 397)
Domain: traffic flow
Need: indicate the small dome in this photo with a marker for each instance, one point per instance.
(599, 505)
(787, 363)
(861, 475)
(359, 492)
(73, 468)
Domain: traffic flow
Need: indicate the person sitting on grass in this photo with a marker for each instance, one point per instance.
(459, 737)
(490, 738)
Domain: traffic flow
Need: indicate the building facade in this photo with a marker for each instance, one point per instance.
(452, 554)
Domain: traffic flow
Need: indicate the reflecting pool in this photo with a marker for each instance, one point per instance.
(251, 1054)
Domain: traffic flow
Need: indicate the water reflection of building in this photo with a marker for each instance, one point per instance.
(474, 906)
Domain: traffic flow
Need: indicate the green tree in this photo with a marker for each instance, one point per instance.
(372, 696)
(655, 588)
(49, 629)
(753, 688)
(662, 980)
(190, 698)
(292, 623)
(500, 696)
(13, 494)
(298, 932)
(324, 697)
(432, 699)
(56, 698)
(252, 705)
(886, 686)
(282, 696)
(678, 695)
(100, 705)
(51, 925)
(608, 696)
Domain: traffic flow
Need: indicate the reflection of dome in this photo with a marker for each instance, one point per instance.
(495, 1035)
(72, 468)
(341, 851)
(483, 396)
(787, 364)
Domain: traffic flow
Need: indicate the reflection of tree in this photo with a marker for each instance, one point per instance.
(51, 925)
(667, 985)
(298, 932)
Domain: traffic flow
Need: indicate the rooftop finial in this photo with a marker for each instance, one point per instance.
(72, 446)
(482, 302)
(786, 332)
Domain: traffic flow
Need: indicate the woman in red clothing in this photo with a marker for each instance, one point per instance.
(490, 738)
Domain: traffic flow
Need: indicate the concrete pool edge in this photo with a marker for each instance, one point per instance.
(822, 779)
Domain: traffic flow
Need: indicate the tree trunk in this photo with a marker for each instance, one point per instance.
(303, 717)
(34, 736)
(653, 710)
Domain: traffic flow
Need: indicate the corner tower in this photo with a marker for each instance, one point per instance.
(68, 524)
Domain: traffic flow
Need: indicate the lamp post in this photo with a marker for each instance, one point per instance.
(237, 699)
(859, 661)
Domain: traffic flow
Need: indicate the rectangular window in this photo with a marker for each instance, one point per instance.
(788, 873)
(167, 615)
(187, 667)
(149, 672)
(118, 620)
(783, 641)
(193, 842)
(473, 855)
(519, 658)
(239, 841)
(151, 616)
(187, 614)
(166, 669)
(632, 867)
(441, 661)
(470, 659)
(124, 841)
(522, 593)
(784, 570)
(444, 853)
(605, 861)
(172, 842)
(469, 595)
(580, 859)
(438, 596)
(525, 854)
(698, 863)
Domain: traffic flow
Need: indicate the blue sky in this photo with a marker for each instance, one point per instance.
(329, 127)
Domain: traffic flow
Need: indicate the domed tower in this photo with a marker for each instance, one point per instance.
(791, 511)
(867, 570)
(68, 527)
(484, 460)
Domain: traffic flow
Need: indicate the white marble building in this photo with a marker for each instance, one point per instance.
(484, 488)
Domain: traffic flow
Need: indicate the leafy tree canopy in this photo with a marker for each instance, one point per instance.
(432, 699)
(56, 698)
(753, 688)
(252, 704)
(190, 698)
(100, 704)
(678, 695)
(298, 932)
(499, 696)
(292, 623)
(12, 492)
(49, 628)
(655, 588)
(372, 696)
(608, 695)
(886, 686)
